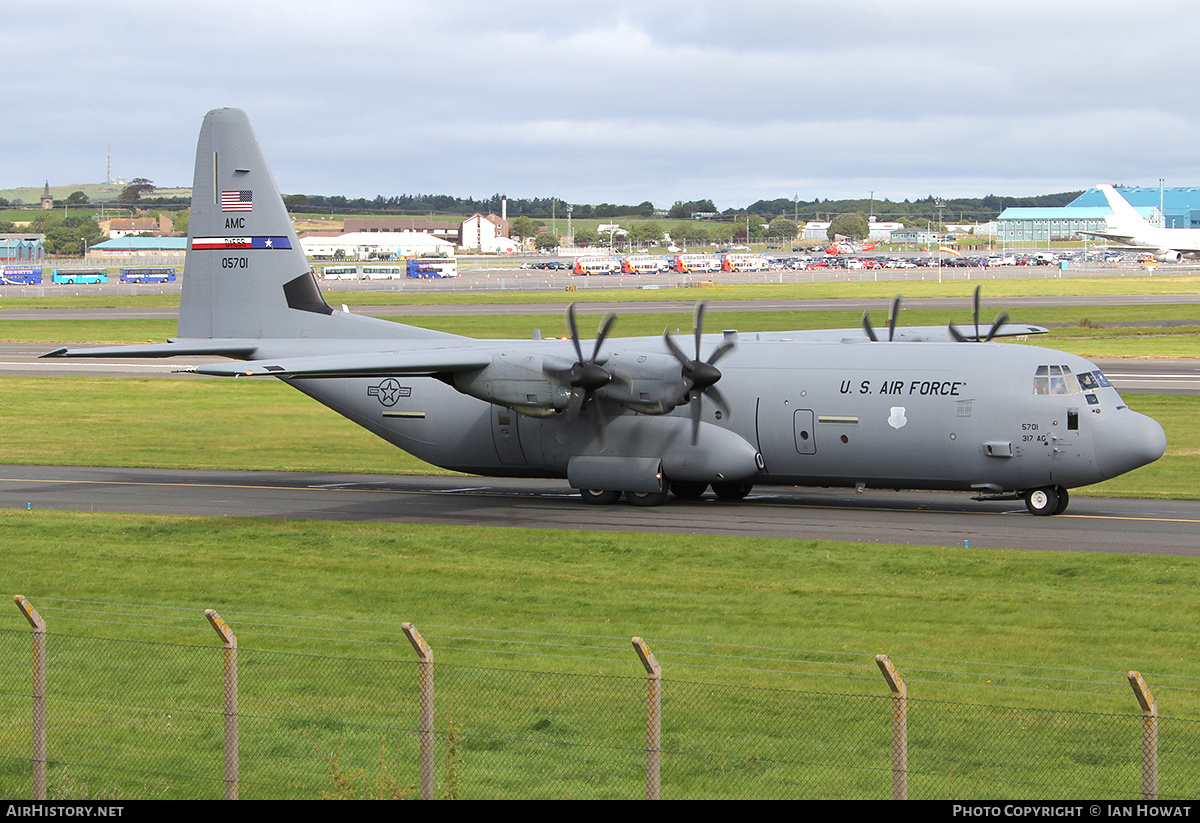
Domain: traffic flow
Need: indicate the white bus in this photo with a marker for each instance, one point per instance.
(382, 272)
(643, 264)
(596, 265)
(696, 262)
(339, 273)
(744, 262)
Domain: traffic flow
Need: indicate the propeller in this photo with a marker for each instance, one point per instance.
(997, 324)
(585, 377)
(893, 316)
(698, 376)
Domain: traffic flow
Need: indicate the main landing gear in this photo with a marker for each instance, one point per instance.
(606, 497)
(1047, 500)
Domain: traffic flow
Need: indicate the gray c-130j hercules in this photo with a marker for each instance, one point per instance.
(915, 408)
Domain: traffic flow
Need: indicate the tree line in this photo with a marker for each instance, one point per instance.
(914, 212)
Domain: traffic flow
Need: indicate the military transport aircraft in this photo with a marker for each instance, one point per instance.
(1130, 229)
(918, 408)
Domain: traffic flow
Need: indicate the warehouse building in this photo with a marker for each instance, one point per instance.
(1180, 205)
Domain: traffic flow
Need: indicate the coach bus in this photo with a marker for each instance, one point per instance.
(148, 275)
(78, 277)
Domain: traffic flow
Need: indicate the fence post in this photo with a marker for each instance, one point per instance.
(1149, 736)
(899, 726)
(39, 695)
(653, 720)
(425, 653)
(229, 639)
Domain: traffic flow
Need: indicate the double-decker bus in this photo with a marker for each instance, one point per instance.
(744, 262)
(696, 262)
(642, 264)
(595, 265)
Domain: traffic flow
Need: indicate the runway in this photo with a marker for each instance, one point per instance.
(1160, 527)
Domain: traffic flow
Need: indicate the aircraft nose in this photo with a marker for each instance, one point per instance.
(1127, 440)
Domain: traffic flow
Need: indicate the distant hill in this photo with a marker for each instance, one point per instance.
(96, 192)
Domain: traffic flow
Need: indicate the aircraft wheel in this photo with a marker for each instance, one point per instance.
(688, 489)
(1043, 502)
(599, 497)
(646, 498)
(732, 491)
(1063, 499)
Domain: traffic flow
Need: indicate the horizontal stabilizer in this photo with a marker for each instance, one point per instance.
(178, 348)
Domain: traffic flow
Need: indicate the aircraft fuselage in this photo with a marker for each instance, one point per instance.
(988, 417)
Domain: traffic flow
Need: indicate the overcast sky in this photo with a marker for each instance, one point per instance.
(614, 101)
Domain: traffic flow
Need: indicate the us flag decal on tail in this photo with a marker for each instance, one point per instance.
(237, 201)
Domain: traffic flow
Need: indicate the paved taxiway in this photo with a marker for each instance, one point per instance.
(919, 518)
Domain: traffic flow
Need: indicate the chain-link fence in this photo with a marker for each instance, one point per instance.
(128, 719)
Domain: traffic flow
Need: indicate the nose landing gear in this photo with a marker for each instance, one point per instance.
(1047, 500)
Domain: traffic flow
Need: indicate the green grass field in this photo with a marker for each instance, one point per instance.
(531, 628)
(767, 648)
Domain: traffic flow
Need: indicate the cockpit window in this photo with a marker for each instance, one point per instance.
(1060, 380)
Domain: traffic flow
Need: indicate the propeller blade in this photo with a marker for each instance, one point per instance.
(715, 394)
(892, 317)
(997, 324)
(724, 347)
(680, 393)
(977, 288)
(957, 335)
(698, 324)
(605, 328)
(675, 350)
(868, 329)
(573, 328)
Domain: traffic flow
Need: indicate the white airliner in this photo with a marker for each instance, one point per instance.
(1127, 227)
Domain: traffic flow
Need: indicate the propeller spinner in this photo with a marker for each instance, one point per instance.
(698, 377)
(585, 377)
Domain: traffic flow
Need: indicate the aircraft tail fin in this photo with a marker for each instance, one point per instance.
(1125, 216)
(246, 275)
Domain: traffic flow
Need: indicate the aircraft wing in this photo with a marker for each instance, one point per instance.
(909, 334)
(1116, 237)
(363, 364)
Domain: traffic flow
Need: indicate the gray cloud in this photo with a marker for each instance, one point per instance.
(621, 101)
